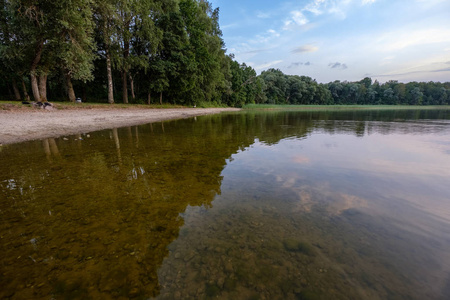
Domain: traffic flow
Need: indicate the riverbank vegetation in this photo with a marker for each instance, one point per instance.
(341, 107)
(158, 52)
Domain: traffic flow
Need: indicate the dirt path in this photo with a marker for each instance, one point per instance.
(19, 126)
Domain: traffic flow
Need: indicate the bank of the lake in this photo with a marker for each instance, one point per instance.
(25, 124)
(19, 123)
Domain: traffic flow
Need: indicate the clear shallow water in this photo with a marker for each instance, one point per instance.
(268, 205)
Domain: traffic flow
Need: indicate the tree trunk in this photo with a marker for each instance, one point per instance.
(25, 93)
(10, 94)
(132, 86)
(47, 151)
(136, 132)
(34, 81)
(125, 88)
(35, 88)
(117, 142)
(84, 96)
(106, 38)
(149, 98)
(126, 53)
(160, 98)
(70, 91)
(43, 87)
(110, 80)
(16, 90)
(53, 147)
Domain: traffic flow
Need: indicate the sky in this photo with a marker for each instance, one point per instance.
(404, 40)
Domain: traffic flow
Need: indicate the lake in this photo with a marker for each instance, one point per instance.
(247, 205)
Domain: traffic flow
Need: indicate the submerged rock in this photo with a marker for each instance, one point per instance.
(293, 245)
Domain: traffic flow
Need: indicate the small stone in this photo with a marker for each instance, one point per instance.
(220, 282)
(229, 267)
(133, 292)
(177, 255)
(189, 256)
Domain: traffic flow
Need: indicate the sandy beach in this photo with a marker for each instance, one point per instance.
(20, 126)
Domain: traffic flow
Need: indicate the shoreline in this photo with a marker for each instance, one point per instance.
(22, 126)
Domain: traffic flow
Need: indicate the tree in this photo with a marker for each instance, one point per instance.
(416, 96)
(51, 34)
(104, 18)
(73, 42)
(207, 46)
(276, 85)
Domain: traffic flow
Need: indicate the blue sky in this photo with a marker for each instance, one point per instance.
(341, 40)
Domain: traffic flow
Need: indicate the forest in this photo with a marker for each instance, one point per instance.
(157, 51)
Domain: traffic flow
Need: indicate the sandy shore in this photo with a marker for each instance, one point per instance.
(20, 126)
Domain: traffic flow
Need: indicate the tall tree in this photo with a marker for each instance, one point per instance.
(205, 42)
(105, 18)
(73, 42)
(136, 24)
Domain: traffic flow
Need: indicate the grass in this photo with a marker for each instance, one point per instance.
(17, 105)
(340, 107)
(206, 104)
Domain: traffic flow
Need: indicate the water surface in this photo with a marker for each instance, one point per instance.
(256, 205)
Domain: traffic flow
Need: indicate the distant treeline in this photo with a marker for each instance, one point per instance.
(146, 51)
(288, 89)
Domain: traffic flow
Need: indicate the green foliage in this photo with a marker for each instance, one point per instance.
(172, 48)
(390, 93)
(283, 89)
(287, 89)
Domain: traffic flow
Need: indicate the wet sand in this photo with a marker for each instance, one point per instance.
(20, 126)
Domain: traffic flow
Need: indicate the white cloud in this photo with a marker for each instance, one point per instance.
(338, 8)
(430, 2)
(364, 2)
(228, 26)
(318, 7)
(267, 65)
(262, 15)
(315, 7)
(398, 40)
(265, 37)
(299, 18)
(273, 32)
(337, 65)
(305, 48)
(387, 60)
